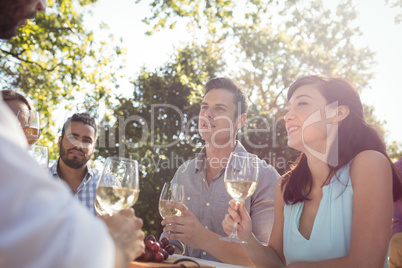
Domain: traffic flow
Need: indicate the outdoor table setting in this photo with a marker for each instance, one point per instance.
(169, 263)
(118, 188)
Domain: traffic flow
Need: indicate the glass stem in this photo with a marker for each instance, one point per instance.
(234, 231)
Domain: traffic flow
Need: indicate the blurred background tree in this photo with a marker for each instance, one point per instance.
(56, 63)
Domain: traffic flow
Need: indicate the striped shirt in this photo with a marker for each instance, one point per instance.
(86, 192)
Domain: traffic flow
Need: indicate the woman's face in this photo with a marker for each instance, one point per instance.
(308, 119)
(20, 109)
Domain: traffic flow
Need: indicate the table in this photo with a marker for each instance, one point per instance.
(203, 263)
(213, 263)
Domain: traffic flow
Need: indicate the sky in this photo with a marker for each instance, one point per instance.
(376, 21)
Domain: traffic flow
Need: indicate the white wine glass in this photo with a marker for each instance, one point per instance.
(40, 154)
(241, 177)
(99, 210)
(30, 123)
(171, 192)
(118, 187)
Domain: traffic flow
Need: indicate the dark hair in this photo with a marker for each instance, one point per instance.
(79, 117)
(230, 85)
(354, 136)
(9, 95)
(8, 19)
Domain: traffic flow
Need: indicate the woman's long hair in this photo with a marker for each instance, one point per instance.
(354, 136)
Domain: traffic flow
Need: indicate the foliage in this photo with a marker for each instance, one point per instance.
(157, 126)
(53, 58)
(212, 15)
(395, 150)
(396, 4)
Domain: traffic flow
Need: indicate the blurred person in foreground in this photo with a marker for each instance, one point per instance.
(334, 207)
(42, 224)
(395, 245)
(223, 112)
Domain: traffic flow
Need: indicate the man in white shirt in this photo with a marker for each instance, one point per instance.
(42, 225)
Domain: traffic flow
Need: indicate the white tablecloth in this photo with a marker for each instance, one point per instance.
(214, 263)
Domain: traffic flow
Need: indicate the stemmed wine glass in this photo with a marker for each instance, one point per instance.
(118, 187)
(30, 123)
(171, 192)
(241, 175)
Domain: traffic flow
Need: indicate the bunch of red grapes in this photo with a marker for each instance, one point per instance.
(157, 251)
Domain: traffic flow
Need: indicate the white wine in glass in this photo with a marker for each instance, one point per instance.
(99, 209)
(118, 187)
(30, 123)
(170, 192)
(241, 177)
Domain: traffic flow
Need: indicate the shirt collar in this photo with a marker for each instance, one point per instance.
(87, 177)
(200, 163)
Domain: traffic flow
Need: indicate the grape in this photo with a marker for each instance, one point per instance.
(159, 256)
(148, 256)
(156, 250)
(155, 247)
(164, 241)
(170, 249)
(166, 255)
(149, 244)
(150, 237)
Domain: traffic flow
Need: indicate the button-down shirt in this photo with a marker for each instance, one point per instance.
(86, 192)
(209, 203)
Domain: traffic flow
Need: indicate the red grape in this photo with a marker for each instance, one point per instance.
(159, 257)
(156, 250)
(166, 255)
(149, 244)
(164, 241)
(148, 256)
(170, 249)
(150, 237)
(155, 247)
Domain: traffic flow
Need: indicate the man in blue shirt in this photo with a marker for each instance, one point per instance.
(76, 146)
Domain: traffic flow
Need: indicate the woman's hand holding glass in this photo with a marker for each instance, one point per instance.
(118, 187)
(241, 177)
(238, 215)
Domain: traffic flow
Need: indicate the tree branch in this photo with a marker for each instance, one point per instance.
(17, 56)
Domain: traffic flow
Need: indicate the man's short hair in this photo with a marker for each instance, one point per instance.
(240, 99)
(10, 95)
(84, 118)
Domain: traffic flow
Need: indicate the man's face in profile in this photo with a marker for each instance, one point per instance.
(15, 13)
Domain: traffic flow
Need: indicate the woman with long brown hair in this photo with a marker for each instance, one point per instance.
(334, 207)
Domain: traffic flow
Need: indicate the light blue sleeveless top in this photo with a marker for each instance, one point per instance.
(330, 236)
